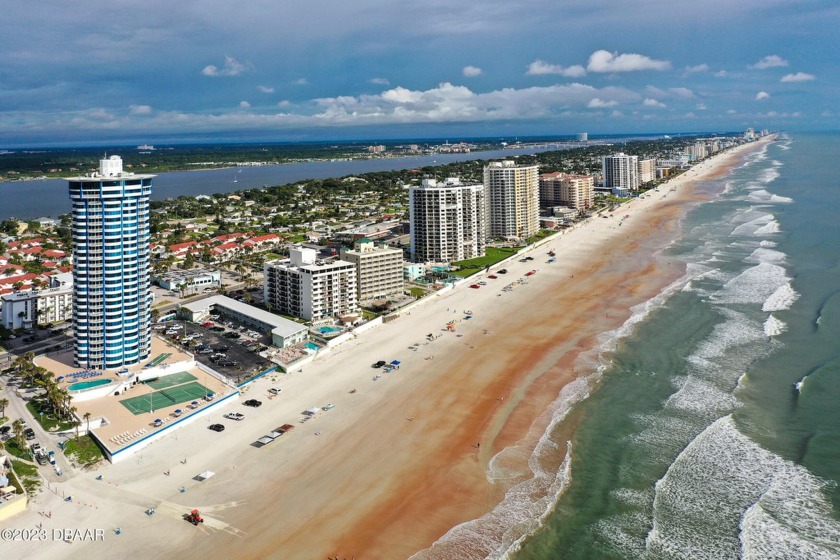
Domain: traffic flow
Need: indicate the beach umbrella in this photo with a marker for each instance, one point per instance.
(194, 403)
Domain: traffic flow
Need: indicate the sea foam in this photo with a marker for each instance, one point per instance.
(781, 299)
(726, 497)
(774, 326)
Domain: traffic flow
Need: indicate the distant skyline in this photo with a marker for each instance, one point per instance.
(98, 72)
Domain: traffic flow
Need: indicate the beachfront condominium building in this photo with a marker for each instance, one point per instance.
(447, 221)
(512, 195)
(562, 189)
(647, 171)
(621, 172)
(111, 283)
(379, 269)
(312, 289)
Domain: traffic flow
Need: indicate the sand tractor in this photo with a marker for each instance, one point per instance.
(194, 517)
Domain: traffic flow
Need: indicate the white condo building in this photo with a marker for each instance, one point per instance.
(306, 287)
(512, 194)
(111, 284)
(379, 269)
(561, 189)
(447, 221)
(621, 172)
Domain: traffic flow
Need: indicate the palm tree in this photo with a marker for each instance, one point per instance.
(3, 404)
(87, 418)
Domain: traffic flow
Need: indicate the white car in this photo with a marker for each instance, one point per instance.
(176, 327)
(329, 406)
(235, 416)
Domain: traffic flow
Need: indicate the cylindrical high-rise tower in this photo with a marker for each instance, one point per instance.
(111, 285)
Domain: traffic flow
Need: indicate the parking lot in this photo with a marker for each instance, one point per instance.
(227, 356)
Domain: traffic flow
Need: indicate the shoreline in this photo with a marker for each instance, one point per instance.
(391, 471)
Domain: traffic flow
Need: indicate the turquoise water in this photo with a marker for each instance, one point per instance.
(709, 425)
(82, 385)
(312, 346)
(329, 330)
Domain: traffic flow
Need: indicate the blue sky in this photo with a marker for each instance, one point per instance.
(158, 70)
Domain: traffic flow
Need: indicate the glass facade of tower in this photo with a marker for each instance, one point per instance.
(111, 283)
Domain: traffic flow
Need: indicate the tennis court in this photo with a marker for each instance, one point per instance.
(169, 380)
(165, 398)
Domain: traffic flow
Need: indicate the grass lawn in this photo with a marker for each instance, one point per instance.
(272, 256)
(491, 257)
(417, 292)
(542, 234)
(83, 451)
(47, 422)
(16, 451)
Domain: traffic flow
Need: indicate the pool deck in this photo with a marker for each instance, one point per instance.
(120, 420)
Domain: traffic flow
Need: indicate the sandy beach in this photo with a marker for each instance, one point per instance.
(406, 457)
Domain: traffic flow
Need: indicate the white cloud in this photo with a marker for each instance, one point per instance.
(284, 103)
(471, 71)
(649, 102)
(540, 67)
(616, 114)
(379, 81)
(244, 105)
(605, 61)
(720, 74)
(761, 95)
(700, 107)
(771, 61)
(680, 92)
(698, 68)
(731, 111)
(596, 103)
(301, 82)
(140, 109)
(266, 89)
(232, 68)
(798, 77)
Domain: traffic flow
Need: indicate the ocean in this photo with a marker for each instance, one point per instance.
(708, 426)
(714, 431)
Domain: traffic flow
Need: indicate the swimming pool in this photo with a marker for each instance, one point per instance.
(312, 346)
(85, 385)
(329, 330)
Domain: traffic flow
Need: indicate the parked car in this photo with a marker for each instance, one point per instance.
(235, 416)
(275, 390)
(379, 364)
(492, 276)
(253, 403)
(502, 271)
(217, 427)
(207, 324)
(219, 347)
(205, 351)
(475, 286)
(29, 433)
(328, 406)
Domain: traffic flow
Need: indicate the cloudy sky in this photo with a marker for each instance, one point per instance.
(164, 70)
